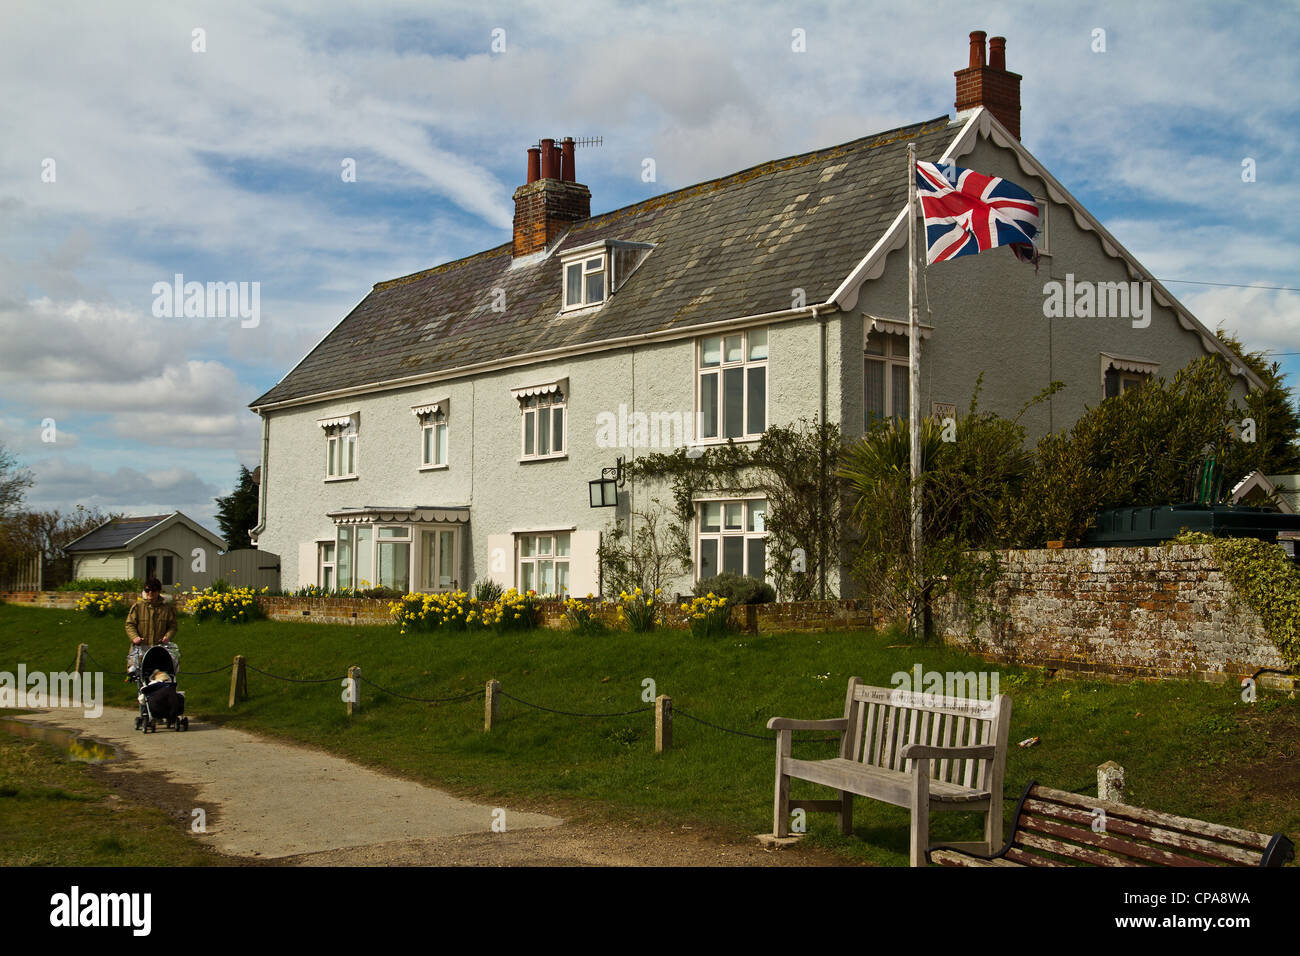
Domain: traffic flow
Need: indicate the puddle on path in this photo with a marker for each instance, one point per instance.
(78, 748)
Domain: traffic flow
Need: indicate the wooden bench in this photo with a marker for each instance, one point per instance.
(926, 752)
(1056, 828)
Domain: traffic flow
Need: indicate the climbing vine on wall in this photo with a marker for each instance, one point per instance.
(795, 469)
(1268, 581)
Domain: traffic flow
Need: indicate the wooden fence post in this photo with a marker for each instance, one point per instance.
(354, 690)
(663, 723)
(238, 680)
(81, 658)
(491, 705)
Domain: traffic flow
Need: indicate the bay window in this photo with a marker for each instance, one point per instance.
(438, 553)
(885, 377)
(393, 558)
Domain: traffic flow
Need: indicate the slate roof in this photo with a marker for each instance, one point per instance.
(115, 534)
(724, 249)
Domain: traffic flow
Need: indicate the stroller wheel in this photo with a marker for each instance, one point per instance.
(185, 723)
(139, 721)
(152, 726)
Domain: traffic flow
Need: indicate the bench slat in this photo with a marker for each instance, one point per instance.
(949, 722)
(967, 707)
(922, 736)
(952, 858)
(936, 728)
(1116, 825)
(868, 731)
(1031, 859)
(849, 743)
(912, 720)
(1031, 840)
(1095, 842)
(887, 742)
(891, 786)
(1165, 820)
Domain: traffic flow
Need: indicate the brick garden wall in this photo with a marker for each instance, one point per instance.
(1144, 612)
(794, 616)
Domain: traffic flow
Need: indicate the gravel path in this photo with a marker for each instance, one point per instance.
(272, 801)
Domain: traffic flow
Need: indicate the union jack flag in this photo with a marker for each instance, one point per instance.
(967, 212)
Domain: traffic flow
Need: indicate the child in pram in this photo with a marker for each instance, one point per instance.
(158, 695)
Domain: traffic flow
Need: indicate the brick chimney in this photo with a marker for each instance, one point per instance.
(550, 200)
(989, 84)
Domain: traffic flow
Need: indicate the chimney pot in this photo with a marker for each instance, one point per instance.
(990, 85)
(550, 201)
(998, 53)
(566, 159)
(549, 166)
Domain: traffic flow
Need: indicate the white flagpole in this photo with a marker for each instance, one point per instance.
(914, 386)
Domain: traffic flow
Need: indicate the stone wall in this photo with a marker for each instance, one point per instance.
(1138, 612)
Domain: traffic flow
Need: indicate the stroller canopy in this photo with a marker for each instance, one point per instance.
(157, 659)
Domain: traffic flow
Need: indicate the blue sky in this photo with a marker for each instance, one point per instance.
(224, 165)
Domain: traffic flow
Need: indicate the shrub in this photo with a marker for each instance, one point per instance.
(648, 557)
(1143, 447)
(101, 603)
(581, 617)
(231, 606)
(488, 592)
(736, 588)
(710, 615)
(220, 586)
(112, 585)
(380, 592)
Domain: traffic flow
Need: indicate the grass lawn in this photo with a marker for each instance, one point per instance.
(1188, 748)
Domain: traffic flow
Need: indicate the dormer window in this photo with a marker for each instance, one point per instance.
(594, 272)
(584, 282)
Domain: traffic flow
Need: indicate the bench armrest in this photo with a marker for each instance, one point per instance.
(789, 723)
(919, 751)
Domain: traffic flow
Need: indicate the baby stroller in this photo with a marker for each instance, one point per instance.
(159, 699)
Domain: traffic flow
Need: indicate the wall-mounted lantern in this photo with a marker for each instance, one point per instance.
(604, 490)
